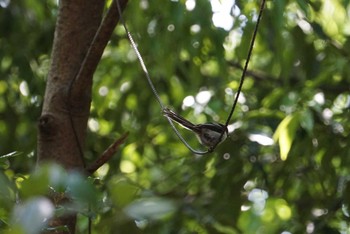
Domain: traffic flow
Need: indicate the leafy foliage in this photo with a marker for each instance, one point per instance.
(285, 166)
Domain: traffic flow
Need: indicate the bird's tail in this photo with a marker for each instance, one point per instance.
(179, 119)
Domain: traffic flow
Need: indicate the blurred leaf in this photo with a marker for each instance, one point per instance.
(7, 193)
(152, 208)
(81, 189)
(43, 178)
(304, 6)
(307, 121)
(272, 98)
(32, 215)
(12, 154)
(122, 191)
(285, 134)
(346, 196)
(35, 185)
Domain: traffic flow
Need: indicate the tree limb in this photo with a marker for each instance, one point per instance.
(106, 155)
(83, 79)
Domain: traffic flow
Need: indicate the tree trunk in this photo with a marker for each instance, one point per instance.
(80, 38)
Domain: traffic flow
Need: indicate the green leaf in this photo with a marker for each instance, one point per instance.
(12, 154)
(81, 189)
(285, 134)
(37, 184)
(7, 193)
(153, 208)
(307, 121)
(122, 191)
(43, 178)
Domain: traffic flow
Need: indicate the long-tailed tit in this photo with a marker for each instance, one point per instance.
(208, 134)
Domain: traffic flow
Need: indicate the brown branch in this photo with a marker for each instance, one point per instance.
(83, 79)
(106, 155)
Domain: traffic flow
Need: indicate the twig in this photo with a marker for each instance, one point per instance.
(257, 75)
(106, 155)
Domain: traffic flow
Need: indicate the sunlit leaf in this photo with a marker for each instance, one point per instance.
(12, 154)
(285, 134)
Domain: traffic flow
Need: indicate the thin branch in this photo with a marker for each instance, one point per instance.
(106, 155)
(258, 75)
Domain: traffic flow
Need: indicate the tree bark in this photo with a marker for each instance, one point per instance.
(80, 38)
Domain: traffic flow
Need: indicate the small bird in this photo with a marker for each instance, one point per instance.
(208, 134)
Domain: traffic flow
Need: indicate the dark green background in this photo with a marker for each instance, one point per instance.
(298, 84)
